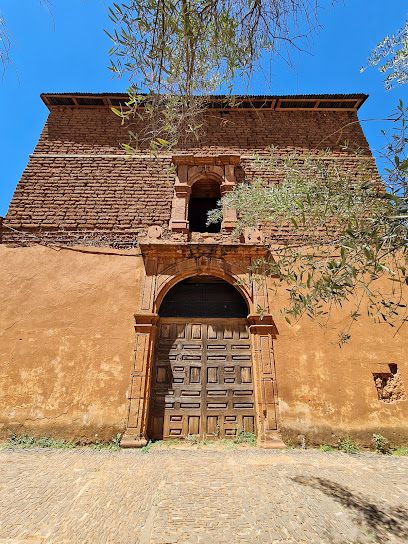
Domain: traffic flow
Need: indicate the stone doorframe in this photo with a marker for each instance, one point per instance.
(167, 264)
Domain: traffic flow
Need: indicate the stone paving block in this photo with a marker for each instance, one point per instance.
(21, 540)
(211, 497)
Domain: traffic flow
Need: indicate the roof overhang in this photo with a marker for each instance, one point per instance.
(301, 102)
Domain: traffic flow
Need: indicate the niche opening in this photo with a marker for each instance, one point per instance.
(204, 197)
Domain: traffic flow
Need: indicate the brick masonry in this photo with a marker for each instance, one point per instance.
(79, 187)
(87, 130)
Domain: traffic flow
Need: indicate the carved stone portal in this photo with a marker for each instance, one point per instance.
(167, 264)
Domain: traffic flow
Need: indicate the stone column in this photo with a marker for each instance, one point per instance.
(136, 432)
(263, 331)
(179, 208)
(230, 214)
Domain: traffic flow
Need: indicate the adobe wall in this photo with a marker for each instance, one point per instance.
(66, 350)
(326, 392)
(66, 341)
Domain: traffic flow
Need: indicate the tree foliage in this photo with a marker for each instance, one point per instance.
(396, 48)
(337, 235)
(179, 52)
(5, 44)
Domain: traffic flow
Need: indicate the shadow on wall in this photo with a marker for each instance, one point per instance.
(383, 523)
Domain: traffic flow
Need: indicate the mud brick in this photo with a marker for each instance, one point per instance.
(86, 189)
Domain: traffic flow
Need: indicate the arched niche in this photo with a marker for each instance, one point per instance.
(203, 297)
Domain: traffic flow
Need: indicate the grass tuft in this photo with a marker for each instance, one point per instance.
(245, 438)
(25, 441)
(325, 447)
(381, 444)
(400, 451)
(113, 445)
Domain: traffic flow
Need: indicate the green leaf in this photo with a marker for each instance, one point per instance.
(128, 148)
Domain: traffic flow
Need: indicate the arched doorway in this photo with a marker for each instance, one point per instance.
(202, 378)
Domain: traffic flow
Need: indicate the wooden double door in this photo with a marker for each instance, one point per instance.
(202, 379)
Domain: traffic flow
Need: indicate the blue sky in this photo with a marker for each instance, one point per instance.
(73, 56)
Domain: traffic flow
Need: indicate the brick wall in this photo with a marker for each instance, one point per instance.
(83, 130)
(74, 190)
(91, 193)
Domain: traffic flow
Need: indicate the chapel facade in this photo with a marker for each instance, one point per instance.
(123, 311)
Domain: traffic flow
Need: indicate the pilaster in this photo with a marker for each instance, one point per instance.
(138, 402)
(263, 331)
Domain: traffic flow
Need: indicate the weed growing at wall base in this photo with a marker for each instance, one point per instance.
(241, 438)
(146, 449)
(381, 444)
(400, 451)
(326, 448)
(347, 446)
(25, 441)
(113, 445)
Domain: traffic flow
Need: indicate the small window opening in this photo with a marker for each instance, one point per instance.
(204, 197)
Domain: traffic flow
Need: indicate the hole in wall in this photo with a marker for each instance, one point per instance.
(389, 385)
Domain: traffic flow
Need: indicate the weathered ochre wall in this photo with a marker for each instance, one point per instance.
(66, 341)
(327, 392)
(66, 348)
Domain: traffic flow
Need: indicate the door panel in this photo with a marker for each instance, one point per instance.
(202, 380)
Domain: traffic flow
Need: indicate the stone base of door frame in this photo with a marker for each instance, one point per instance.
(273, 442)
(133, 441)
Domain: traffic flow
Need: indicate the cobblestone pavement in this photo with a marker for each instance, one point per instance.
(201, 496)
